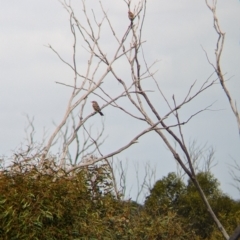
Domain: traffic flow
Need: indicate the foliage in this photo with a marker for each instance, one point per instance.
(50, 203)
(80, 205)
(36, 205)
(165, 194)
(183, 199)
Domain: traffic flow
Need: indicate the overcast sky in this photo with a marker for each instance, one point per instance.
(174, 32)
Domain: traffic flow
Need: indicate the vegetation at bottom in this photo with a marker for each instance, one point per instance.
(82, 205)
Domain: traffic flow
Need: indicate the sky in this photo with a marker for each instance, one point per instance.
(175, 34)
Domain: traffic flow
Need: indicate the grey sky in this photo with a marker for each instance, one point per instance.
(174, 32)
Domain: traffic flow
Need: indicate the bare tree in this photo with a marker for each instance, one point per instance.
(101, 66)
(133, 90)
(202, 158)
(218, 69)
(218, 53)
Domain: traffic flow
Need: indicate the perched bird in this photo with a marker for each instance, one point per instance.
(130, 16)
(96, 107)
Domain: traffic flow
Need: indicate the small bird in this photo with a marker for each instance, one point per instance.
(96, 107)
(130, 16)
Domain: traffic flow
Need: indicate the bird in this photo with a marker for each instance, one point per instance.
(96, 107)
(130, 16)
